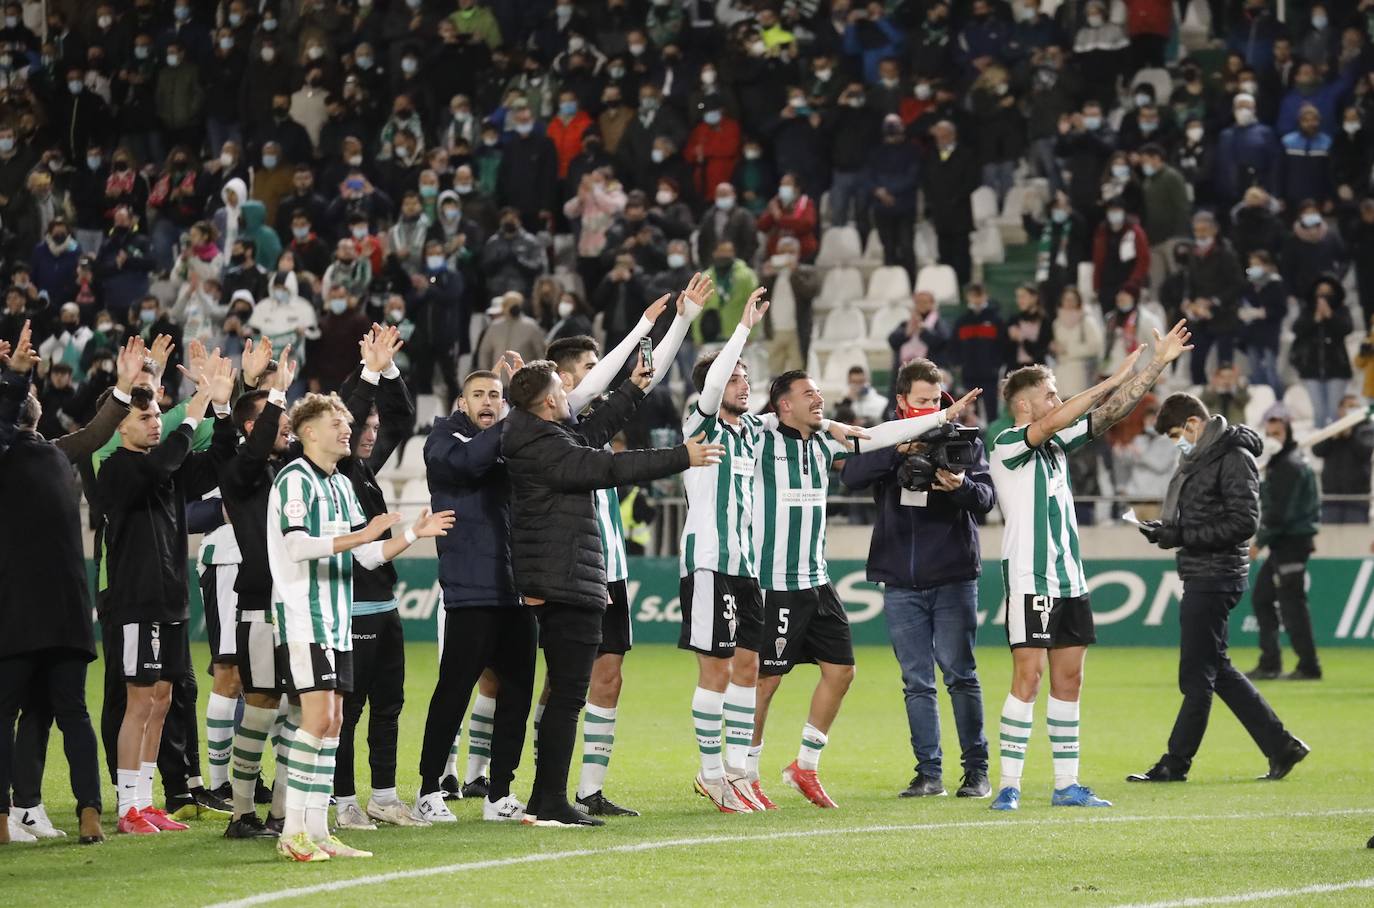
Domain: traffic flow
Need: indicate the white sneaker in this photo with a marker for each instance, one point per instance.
(18, 833)
(351, 816)
(394, 812)
(35, 821)
(739, 782)
(432, 809)
(508, 809)
(722, 794)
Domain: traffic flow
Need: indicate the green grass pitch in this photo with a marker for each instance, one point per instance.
(1220, 836)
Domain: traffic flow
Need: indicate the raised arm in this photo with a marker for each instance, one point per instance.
(689, 305)
(1076, 407)
(395, 408)
(81, 444)
(896, 431)
(718, 376)
(1125, 398)
(599, 378)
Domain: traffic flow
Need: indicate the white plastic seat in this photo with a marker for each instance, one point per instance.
(1298, 403)
(987, 246)
(411, 463)
(844, 324)
(984, 201)
(1261, 399)
(1015, 204)
(836, 375)
(412, 498)
(939, 281)
(1157, 78)
(839, 246)
(391, 469)
(889, 283)
(886, 320)
(840, 286)
(927, 246)
(428, 407)
(873, 249)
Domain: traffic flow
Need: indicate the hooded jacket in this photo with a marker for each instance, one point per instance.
(1290, 507)
(1212, 506)
(555, 540)
(1318, 350)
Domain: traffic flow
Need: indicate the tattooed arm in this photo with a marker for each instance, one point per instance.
(1125, 398)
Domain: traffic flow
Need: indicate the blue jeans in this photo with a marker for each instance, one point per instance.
(1264, 368)
(1326, 394)
(850, 188)
(930, 627)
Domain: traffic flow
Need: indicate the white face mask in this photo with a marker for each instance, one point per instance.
(708, 77)
(1271, 446)
(787, 194)
(1311, 219)
(1094, 21)
(566, 309)
(1121, 171)
(664, 197)
(1351, 127)
(226, 160)
(676, 260)
(1245, 116)
(1194, 134)
(269, 54)
(725, 204)
(1116, 219)
(923, 92)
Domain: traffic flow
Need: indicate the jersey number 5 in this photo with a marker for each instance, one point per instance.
(782, 620)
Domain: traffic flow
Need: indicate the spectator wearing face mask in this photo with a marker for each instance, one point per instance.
(1077, 344)
(1001, 128)
(669, 212)
(1193, 157)
(1263, 307)
(268, 77)
(460, 236)
(1098, 47)
(1247, 154)
(512, 257)
(312, 253)
(1255, 224)
(1312, 249)
(1064, 241)
(599, 202)
(755, 179)
(1128, 326)
(334, 354)
(1307, 165)
(1215, 280)
(791, 213)
(1147, 123)
(733, 282)
(349, 269)
(792, 287)
(1166, 207)
(124, 264)
(1029, 332)
(854, 129)
(1121, 254)
(713, 148)
(1226, 394)
(1310, 90)
(528, 176)
(1318, 353)
(1347, 459)
(77, 116)
(893, 177)
(54, 262)
(441, 321)
(948, 177)
(1084, 145)
(725, 221)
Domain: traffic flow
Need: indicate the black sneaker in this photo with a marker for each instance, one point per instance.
(209, 801)
(249, 826)
(261, 793)
(1160, 772)
(1260, 673)
(477, 788)
(182, 807)
(567, 815)
(923, 786)
(225, 792)
(974, 784)
(1282, 764)
(451, 789)
(597, 804)
(1302, 674)
(275, 824)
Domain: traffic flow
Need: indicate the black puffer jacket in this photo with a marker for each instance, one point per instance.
(555, 542)
(1217, 491)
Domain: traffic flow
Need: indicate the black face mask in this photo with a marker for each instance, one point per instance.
(723, 264)
(509, 227)
(281, 113)
(59, 238)
(121, 166)
(237, 259)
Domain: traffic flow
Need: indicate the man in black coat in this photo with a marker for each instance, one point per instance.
(1346, 466)
(1210, 511)
(949, 177)
(557, 558)
(528, 178)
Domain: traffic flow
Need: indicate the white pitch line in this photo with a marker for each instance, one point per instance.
(1258, 895)
(544, 857)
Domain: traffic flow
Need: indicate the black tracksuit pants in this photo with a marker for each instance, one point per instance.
(379, 679)
(504, 639)
(47, 685)
(570, 637)
(178, 755)
(1204, 669)
(1281, 592)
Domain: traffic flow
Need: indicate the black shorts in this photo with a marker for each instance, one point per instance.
(154, 651)
(617, 628)
(1040, 622)
(256, 655)
(804, 626)
(720, 613)
(306, 667)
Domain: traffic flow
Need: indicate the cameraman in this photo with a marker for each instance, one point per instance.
(925, 552)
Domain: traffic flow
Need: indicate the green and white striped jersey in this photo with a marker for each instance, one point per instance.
(793, 478)
(312, 601)
(1040, 552)
(612, 534)
(720, 498)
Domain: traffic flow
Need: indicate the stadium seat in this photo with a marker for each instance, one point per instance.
(1159, 79)
(886, 320)
(839, 246)
(428, 407)
(411, 463)
(1298, 404)
(940, 281)
(873, 250)
(841, 285)
(1194, 32)
(889, 283)
(987, 247)
(844, 324)
(412, 498)
(391, 469)
(984, 200)
(927, 247)
(1261, 399)
(835, 378)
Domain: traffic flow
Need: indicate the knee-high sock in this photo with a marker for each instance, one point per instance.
(480, 726)
(286, 724)
(813, 741)
(300, 780)
(739, 726)
(598, 739)
(706, 717)
(317, 806)
(1062, 719)
(219, 736)
(1015, 734)
(249, 741)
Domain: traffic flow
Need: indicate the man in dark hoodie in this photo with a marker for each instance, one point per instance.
(1210, 511)
(1290, 510)
(556, 554)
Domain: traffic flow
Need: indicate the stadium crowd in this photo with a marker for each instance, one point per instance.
(471, 180)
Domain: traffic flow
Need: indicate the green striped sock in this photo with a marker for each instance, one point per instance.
(219, 736)
(249, 741)
(739, 726)
(1062, 719)
(812, 743)
(300, 779)
(317, 805)
(598, 738)
(480, 726)
(706, 718)
(1015, 730)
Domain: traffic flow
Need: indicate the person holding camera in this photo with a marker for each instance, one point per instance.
(925, 552)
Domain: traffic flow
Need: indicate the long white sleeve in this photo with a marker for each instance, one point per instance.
(896, 431)
(301, 546)
(718, 376)
(599, 379)
(370, 555)
(666, 351)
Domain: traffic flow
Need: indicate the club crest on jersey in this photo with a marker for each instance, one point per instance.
(780, 644)
(156, 640)
(295, 509)
(733, 624)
